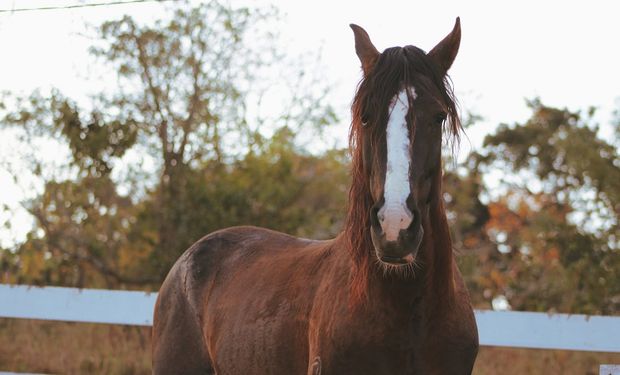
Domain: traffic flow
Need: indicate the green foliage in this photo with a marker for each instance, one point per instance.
(96, 143)
(277, 186)
(282, 188)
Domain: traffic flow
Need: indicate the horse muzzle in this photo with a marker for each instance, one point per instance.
(401, 251)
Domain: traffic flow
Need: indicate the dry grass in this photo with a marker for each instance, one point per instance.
(508, 361)
(74, 348)
(78, 348)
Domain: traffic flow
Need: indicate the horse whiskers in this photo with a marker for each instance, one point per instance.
(404, 271)
(417, 263)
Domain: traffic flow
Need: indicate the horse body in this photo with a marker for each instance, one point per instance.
(383, 297)
(263, 302)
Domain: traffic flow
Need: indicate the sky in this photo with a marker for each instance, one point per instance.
(565, 52)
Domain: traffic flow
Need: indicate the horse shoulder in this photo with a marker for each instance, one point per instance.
(252, 288)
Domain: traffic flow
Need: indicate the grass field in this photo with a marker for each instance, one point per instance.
(78, 348)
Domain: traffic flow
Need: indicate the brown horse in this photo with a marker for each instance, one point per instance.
(384, 297)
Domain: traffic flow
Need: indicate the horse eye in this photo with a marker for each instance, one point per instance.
(364, 120)
(440, 118)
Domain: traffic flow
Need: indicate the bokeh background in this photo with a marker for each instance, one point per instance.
(129, 131)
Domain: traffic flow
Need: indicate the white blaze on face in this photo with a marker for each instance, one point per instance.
(395, 215)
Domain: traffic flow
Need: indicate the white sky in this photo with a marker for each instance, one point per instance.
(565, 52)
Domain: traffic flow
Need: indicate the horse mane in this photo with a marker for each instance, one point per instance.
(395, 67)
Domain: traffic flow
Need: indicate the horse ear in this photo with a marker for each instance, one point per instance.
(364, 48)
(445, 52)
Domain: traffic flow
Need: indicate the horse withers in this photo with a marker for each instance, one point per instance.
(383, 297)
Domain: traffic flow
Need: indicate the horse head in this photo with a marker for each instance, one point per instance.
(403, 107)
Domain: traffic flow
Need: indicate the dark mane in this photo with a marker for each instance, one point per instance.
(395, 68)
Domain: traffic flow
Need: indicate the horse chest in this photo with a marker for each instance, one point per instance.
(364, 344)
(389, 342)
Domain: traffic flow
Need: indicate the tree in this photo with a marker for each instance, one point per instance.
(189, 89)
(194, 73)
(556, 223)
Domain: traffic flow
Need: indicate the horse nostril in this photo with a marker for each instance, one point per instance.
(381, 217)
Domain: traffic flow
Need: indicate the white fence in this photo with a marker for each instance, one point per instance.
(77, 305)
(496, 328)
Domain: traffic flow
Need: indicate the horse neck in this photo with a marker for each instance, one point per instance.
(438, 257)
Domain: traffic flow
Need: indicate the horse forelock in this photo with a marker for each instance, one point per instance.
(395, 69)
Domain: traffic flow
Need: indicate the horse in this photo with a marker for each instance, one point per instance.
(383, 297)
